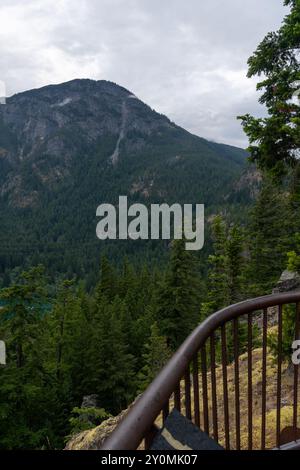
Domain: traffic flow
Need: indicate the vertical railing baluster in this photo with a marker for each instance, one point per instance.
(204, 389)
(237, 383)
(196, 391)
(264, 380)
(250, 397)
(296, 375)
(187, 393)
(166, 411)
(214, 386)
(149, 437)
(177, 397)
(225, 387)
(279, 379)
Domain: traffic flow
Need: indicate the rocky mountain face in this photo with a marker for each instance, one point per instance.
(65, 149)
(45, 132)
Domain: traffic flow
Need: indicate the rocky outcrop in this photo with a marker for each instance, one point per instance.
(92, 439)
(289, 281)
(90, 401)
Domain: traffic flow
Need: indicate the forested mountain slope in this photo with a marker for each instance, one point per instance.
(65, 149)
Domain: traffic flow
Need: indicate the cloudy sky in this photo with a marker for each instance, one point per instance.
(186, 59)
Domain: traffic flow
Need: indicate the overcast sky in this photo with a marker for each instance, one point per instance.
(186, 59)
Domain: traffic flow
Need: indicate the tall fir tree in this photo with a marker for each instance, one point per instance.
(275, 139)
(178, 298)
(156, 355)
(217, 285)
(268, 238)
(111, 366)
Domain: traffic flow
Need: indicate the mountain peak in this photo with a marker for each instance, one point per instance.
(47, 134)
(78, 85)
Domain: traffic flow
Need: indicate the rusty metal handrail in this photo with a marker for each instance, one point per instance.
(139, 420)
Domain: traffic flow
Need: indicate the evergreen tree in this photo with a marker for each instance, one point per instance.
(267, 239)
(27, 404)
(226, 267)
(21, 315)
(108, 280)
(289, 311)
(234, 264)
(155, 357)
(275, 140)
(111, 367)
(178, 298)
(69, 332)
(293, 209)
(217, 283)
(225, 278)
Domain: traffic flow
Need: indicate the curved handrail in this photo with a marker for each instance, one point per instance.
(138, 421)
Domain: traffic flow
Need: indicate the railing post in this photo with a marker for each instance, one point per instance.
(279, 370)
(225, 387)
(296, 374)
(204, 389)
(214, 386)
(250, 398)
(196, 391)
(237, 383)
(264, 380)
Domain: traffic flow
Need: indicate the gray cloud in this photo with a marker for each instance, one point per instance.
(185, 59)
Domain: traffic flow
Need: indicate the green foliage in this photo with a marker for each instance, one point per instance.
(294, 256)
(63, 344)
(107, 286)
(268, 238)
(225, 267)
(227, 281)
(111, 368)
(86, 418)
(155, 357)
(29, 411)
(288, 333)
(289, 311)
(178, 298)
(58, 228)
(111, 334)
(274, 140)
(23, 307)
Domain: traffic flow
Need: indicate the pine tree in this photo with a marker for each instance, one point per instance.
(178, 298)
(27, 405)
(68, 339)
(234, 264)
(111, 367)
(293, 211)
(22, 312)
(155, 357)
(108, 284)
(274, 140)
(268, 239)
(217, 278)
(225, 277)
(225, 282)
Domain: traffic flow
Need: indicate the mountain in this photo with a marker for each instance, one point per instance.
(65, 149)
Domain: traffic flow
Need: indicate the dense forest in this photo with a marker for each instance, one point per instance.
(49, 196)
(64, 342)
(67, 337)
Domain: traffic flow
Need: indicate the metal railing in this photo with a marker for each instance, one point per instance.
(225, 379)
